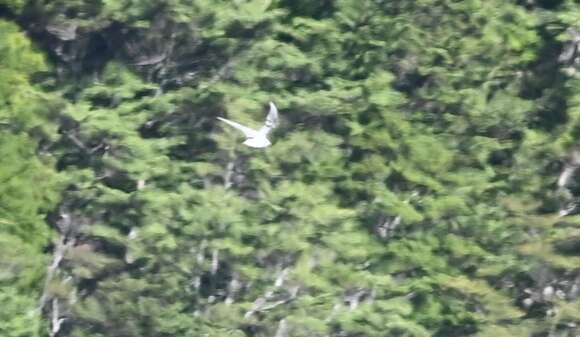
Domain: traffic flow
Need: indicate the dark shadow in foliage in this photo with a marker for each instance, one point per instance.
(408, 82)
(216, 284)
(192, 149)
(120, 181)
(503, 157)
(546, 84)
(548, 4)
(466, 327)
(314, 9)
(569, 246)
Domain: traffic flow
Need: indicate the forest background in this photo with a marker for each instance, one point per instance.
(423, 181)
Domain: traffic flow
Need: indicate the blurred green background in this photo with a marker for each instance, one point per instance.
(423, 180)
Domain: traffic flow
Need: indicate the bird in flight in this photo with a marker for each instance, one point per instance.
(257, 138)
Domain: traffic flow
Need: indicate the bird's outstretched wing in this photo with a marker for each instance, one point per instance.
(271, 120)
(249, 133)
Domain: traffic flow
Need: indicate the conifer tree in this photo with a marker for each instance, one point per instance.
(422, 181)
(28, 184)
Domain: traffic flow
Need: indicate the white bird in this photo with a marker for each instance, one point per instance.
(257, 138)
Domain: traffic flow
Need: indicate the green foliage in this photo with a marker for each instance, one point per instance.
(18, 316)
(27, 188)
(412, 189)
(28, 184)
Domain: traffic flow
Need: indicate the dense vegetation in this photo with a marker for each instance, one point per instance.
(423, 182)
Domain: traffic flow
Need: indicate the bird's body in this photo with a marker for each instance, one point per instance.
(257, 138)
(257, 142)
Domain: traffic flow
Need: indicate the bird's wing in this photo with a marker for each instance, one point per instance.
(249, 133)
(271, 120)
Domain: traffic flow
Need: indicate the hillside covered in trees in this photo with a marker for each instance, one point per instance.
(423, 181)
